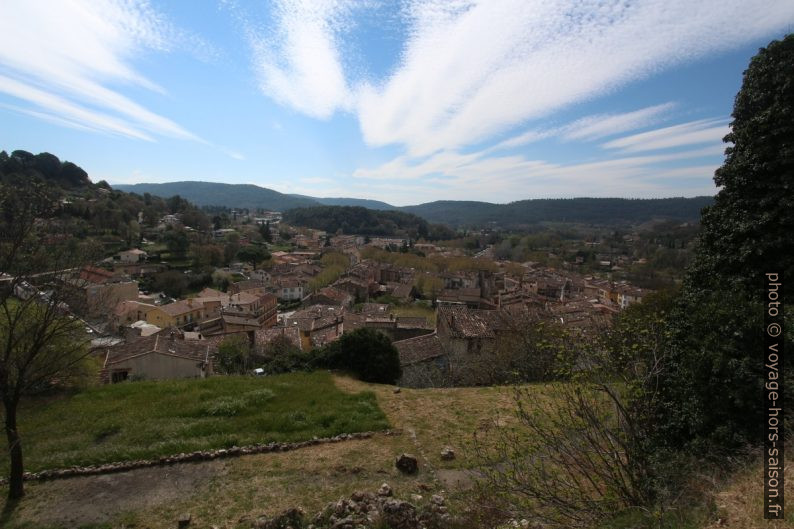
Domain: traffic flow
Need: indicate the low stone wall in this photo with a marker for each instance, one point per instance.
(202, 455)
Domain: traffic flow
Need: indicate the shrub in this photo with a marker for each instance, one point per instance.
(367, 353)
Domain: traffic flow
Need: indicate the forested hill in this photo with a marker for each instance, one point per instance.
(228, 195)
(362, 221)
(340, 201)
(604, 211)
(44, 166)
(94, 209)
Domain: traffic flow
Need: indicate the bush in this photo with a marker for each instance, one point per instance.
(367, 353)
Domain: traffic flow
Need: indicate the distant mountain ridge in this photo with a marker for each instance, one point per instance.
(361, 202)
(451, 212)
(577, 210)
(218, 194)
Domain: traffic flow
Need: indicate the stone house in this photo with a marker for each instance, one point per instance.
(249, 311)
(424, 362)
(157, 357)
(132, 256)
(180, 313)
(330, 296)
(318, 325)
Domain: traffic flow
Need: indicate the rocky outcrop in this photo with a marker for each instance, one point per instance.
(407, 464)
(365, 510)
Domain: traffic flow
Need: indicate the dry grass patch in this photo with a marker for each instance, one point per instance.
(442, 417)
(740, 502)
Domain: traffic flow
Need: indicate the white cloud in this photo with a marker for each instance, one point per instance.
(600, 126)
(75, 48)
(472, 69)
(685, 134)
(591, 127)
(231, 153)
(452, 175)
(300, 64)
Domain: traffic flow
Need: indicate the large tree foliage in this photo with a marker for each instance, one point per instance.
(711, 387)
(749, 228)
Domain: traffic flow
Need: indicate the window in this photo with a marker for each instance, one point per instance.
(119, 376)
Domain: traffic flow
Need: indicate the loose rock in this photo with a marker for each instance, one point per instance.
(385, 490)
(407, 463)
(183, 521)
(447, 454)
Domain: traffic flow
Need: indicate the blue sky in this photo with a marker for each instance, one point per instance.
(402, 101)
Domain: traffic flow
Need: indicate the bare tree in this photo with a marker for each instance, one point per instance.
(581, 451)
(41, 342)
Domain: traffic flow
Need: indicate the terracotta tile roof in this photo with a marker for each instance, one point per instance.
(412, 322)
(212, 293)
(402, 290)
(375, 308)
(419, 349)
(123, 307)
(183, 306)
(334, 294)
(248, 284)
(244, 298)
(316, 317)
(198, 350)
(473, 323)
(264, 336)
(95, 274)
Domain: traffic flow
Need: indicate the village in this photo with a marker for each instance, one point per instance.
(438, 321)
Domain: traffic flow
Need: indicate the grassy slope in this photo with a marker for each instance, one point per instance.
(151, 419)
(236, 489)
(229, 493)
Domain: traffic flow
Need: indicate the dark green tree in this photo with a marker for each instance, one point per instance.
(711, 386)
(234, 354)
(748, 230)
(177, 242)
(367, 353)
(264, 231)
(172, 282)
(253, 254)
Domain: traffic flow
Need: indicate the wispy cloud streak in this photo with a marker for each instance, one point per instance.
(62, 56)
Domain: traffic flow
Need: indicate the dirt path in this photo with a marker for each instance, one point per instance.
(97, 499)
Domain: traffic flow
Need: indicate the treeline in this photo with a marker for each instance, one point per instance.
(355, 220)
(44, 166)
(602, 211)
(95, 209)
(235, 196)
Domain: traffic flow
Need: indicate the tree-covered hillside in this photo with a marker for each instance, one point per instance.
(579, 210)
(341, 201)
(453, 213)
(95, 209)
(229, 195)
(363, 221)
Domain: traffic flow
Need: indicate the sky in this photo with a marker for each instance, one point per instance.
(402, 101)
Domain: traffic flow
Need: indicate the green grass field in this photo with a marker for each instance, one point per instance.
(141, 420)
